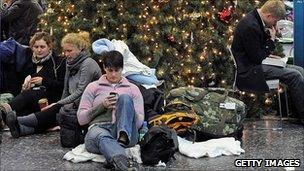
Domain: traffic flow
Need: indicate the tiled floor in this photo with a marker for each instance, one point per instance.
(43, 152)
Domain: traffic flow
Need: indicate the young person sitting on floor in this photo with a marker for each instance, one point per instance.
(113, 107)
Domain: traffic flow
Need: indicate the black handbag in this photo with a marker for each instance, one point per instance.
(71, 133)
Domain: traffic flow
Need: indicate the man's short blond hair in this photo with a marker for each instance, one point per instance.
(275, 7)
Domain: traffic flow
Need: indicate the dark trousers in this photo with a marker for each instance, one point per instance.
(47, 118)
(27, 102)
(293, 77)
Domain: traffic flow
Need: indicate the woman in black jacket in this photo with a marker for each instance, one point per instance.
(46, 80)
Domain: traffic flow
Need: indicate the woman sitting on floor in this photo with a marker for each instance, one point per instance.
(45, 81)
(80, 71)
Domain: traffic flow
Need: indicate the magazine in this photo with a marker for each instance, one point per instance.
(276, 62)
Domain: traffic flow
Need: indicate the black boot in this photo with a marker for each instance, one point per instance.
(123, 163)
(12, 123)
(4, 109)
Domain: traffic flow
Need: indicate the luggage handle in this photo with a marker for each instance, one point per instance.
(202, 95)
(199, 97)
(161, 94)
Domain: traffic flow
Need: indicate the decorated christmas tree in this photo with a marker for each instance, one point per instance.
(186, 41)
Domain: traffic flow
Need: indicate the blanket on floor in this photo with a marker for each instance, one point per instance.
(80, 154)
(210, 148)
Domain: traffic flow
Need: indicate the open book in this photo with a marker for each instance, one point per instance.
(275, 62)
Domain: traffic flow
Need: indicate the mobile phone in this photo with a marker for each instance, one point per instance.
(113, 93)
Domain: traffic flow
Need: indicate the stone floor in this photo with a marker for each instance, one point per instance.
(43, 152)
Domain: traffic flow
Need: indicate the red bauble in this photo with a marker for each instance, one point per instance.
(170, 38)
(225, 15)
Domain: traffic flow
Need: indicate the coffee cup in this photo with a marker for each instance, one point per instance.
(43, 103)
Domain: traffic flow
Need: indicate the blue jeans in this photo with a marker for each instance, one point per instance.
(102, 138)
(143, 79)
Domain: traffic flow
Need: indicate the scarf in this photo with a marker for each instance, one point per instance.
(72, 67)
(74, 63)
(40, 61)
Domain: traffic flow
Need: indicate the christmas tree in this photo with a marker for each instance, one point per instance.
(186, 41)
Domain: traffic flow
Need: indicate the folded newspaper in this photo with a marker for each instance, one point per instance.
(285, 40)
(276, 62)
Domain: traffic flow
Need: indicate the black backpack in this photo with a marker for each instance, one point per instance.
(153, 100)
(71, 133)
(158, 144)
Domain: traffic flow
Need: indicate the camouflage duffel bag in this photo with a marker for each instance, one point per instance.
(219, 115)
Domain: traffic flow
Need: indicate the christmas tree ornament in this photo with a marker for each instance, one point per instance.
(225, 15)
(170, 38)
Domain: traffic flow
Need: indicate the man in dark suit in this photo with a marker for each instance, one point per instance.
(254, 41)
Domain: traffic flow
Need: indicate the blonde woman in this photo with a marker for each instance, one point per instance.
(80, 71)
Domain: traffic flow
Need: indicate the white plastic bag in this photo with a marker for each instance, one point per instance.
(286, 29)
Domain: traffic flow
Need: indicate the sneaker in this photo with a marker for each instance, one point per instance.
(123, 163)
(12, 123)
(108, 165)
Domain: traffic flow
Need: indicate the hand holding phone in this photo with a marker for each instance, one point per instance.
(113, 94)
(110, 101)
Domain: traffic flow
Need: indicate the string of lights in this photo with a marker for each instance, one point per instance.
(186, 41)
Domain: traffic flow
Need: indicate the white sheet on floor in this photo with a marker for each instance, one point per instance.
(210, 148)
(80, 154)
